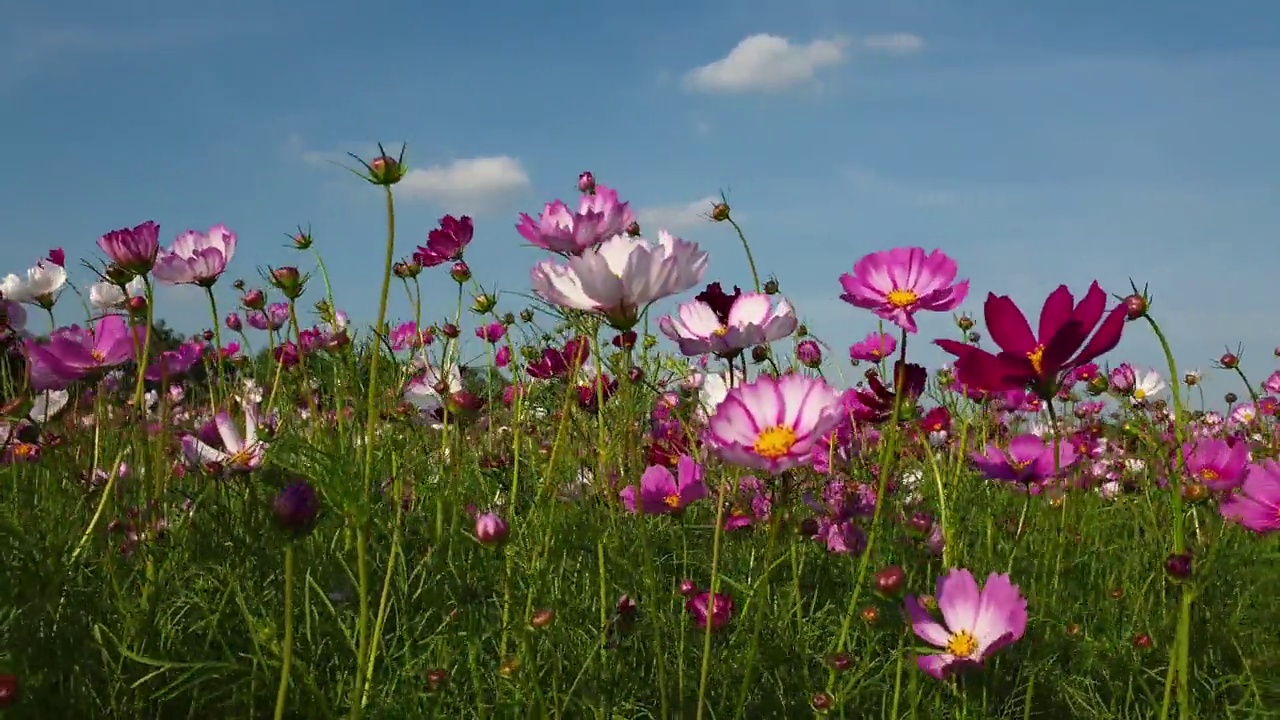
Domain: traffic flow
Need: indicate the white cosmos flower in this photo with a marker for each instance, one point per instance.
(621, 277)
(698, 328)
(1147, 385)
(104, 295)
(242, 453)
(47, 405)
(40, 286)
(423, 391)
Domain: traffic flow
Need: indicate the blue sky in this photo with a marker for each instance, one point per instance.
(1037, 143)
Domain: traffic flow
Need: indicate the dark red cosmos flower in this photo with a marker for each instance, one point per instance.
(719, 301)
(875, 403)
(447, 242)
(1038, 363)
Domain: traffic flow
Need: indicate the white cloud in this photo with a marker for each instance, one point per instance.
(765, 63)
(467, 185)
(894, 44)
(675, 218)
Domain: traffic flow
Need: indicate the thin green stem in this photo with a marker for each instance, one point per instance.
(286, 658)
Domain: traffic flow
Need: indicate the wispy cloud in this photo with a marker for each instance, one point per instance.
(766, 63)
(677, 217)
(894, 44)
(468, 185)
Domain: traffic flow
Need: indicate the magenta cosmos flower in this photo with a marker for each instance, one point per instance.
(716, 322)
(661, 493)
(196, 258)
(1028, 459)
(621, 277)
(133, 249)
(714, 609)
(1257, 505)
(896, 284)
(73, 353)
(600, 216)
(1038, 360)
(447, 242)
(1216, 464)
(874, 348)
(772, 424)
(979, 622)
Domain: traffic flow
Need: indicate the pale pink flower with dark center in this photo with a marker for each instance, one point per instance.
(196, 258)
(896, 284)
(728, 324)
(772, 424)
(238, 453)
(979, 621)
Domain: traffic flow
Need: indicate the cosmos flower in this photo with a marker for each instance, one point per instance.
(1148, 385)
(106, 296)
(706, 609)
(599, 217)
(621, 277)
(41, 285)
(979, 621)
(1037, 362)
(772, 424)
(715, 322)
(1216, 464)
(446, 243)
(133, 249)
(196, 258)
(429, 390)
(13, 320)
(662, 493)
(1257, 505)
(73, 353)
(896, 284)
(1028, 459)
(237, 453)
(874, 348)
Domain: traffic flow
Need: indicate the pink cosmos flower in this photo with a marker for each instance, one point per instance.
(600, 216)
(133, 249)
(237, 453)
(772, 424)
(72, 353)
(706, 608)
(173, 364)
(715, 322)
(621, 277)
(196, 258)
(752, 505)
(13, 320)
(1217, 464)
(895, 284)
(1029, 459)
(1257, 505)
(446, 243)
(979, 621)
(661, 493)
(874, 348)
(273, 317)
(1272, 383)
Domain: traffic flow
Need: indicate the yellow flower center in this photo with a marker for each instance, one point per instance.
(97, 355)
(241, 458)
(22, 451)
(1018, 464)
(775, 442)
(720, 331)
(962, 644)
(671, 501)
(900, 298)
(1208, 474)
(1037, 359)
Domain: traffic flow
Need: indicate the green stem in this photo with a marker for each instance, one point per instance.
(217, 341)
(705, 672)
(286, 659)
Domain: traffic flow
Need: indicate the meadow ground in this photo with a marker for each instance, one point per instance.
(608, 515)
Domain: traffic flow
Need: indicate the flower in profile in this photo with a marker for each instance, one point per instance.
(874, 348)
(714, 609)
(273, 317)
(715, 322)
(621, 277)
(896, 284)
(106, 296)
(73, 353)
(238, 453)
(41, 286)
(296, 507)
(1122, 379)
(133, 249)
(173, 364)
(1027, 460)
(196, 258)
(445, 243)
(429, 390)
(662, 493)
(599, 217)
(1038, 361)
(979, 621)
(875, 403)
(13, 320)
(1257, 505)
(1216, 463)
(772, 424)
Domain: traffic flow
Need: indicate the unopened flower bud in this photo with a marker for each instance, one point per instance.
(633, 229)
(461, 271)
(771, 287)
(483, 303)
(254, 300)
(965, 323)
(1229, 361)
(759, 353)
(385, 170)
(1135, 306)
(587, 183)
(449, 330)
(526, 315)
(720, 212)
(1230, 398)
(889, 581)
(491, 530)
(288, 280)
(1178, 565)
(136, 305)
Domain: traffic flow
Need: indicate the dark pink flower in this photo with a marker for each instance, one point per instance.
(446, 243)
(661, 493)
